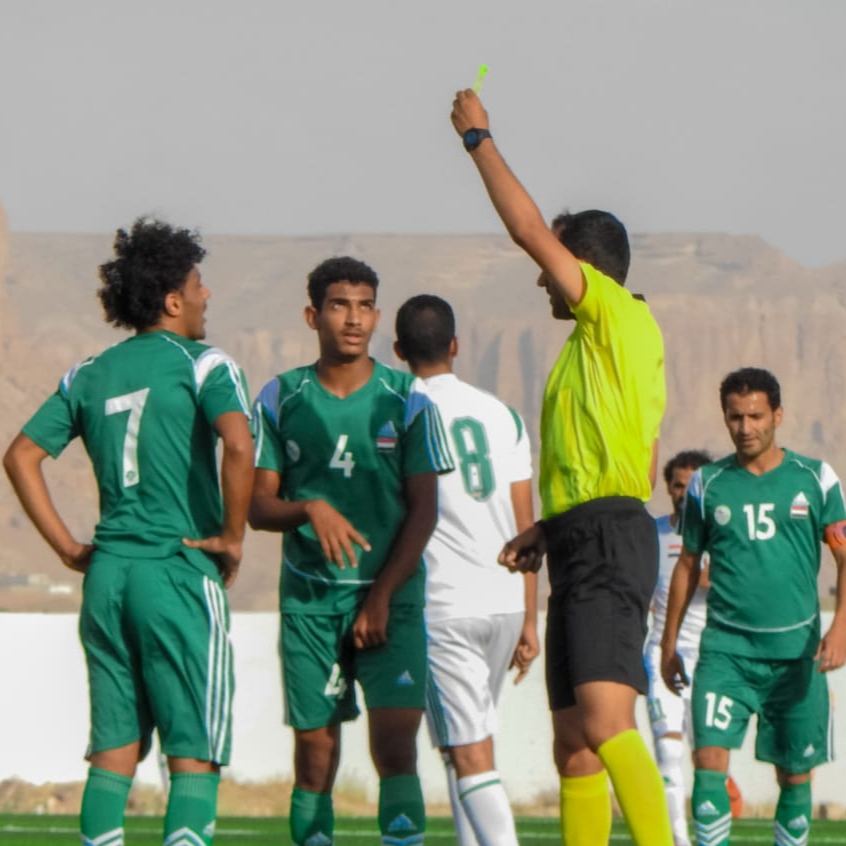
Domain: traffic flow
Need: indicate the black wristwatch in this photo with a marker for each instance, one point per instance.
(473, 137)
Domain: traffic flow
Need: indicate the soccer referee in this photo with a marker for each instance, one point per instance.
(602, 409)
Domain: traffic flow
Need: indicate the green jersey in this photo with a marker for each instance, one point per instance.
(145, 410)
(354, 453)
(763, 535)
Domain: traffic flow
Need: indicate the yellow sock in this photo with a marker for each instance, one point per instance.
(639, 789)
(585, 810)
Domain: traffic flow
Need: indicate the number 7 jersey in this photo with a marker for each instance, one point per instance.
(354, 453)
(145, 410)
(763, 534)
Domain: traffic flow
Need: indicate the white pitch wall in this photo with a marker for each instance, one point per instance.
(44, 719)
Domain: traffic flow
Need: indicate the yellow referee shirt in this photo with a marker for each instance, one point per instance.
(603, 402)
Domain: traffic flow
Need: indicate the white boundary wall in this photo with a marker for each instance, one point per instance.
(44, 719)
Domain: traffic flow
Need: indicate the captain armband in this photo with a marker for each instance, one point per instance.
(835, 535)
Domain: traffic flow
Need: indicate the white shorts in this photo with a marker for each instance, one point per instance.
(468, 660)
(668, 713)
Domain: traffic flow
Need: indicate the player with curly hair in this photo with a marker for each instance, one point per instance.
(154, 619)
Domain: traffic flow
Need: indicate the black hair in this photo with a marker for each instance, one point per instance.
(691, 459)
(153, 260)
(598, 238)
(425, 327)
(750, 379)
(339, 269)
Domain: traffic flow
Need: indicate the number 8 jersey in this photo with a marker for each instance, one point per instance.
(354, 453)
(145, 410)
(763, 534)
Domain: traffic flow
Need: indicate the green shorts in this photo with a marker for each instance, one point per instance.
(790, 699)
(156, 639)
(320, 665)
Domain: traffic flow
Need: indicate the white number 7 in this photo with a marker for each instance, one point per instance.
(134, 404)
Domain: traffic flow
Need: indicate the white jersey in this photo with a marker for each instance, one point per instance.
(491, 450)
(670, 545)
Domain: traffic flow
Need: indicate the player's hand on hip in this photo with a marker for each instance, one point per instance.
(371, 626)
(468, 112)
(227, 554)
(831, 652)
(524, 554)
(528, 648)
(336, 534)
(673, 672)
(78, 557)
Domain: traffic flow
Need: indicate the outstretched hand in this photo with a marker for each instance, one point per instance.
(468, 112)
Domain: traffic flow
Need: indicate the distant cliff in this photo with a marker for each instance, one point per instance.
(722, 301)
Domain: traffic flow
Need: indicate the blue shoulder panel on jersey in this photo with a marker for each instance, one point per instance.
(67, 379)
(268, 398)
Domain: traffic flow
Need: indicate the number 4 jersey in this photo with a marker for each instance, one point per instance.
(763, 534)
(145, 410)
(353, 453)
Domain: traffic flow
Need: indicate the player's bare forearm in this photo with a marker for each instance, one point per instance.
(683, 585)
(236, 483)
(268, 512)
(22, 463)
(421, 496)
(832, 650)
(518, 211)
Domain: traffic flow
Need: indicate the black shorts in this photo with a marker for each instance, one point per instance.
(603, 565)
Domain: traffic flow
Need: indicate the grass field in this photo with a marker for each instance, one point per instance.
(351, 831)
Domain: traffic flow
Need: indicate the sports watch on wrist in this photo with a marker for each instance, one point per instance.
(473, 137)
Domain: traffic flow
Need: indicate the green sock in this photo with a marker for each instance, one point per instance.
(103, 807)
(793, 815)
(191, 809)
(711, 808)
(312, 819)
(402, 814)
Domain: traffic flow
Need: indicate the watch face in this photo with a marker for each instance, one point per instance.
(471, 136)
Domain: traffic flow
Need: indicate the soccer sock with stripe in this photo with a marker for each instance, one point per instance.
(312, 818)
(793, 815)
(486, 805)
(402, 814)
(638, 787)
(669, 752)
(103, 808)
(191, 809)
(585, 810)
(463, 829)
(711, 808)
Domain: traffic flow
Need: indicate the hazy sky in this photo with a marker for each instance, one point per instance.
(302, 117)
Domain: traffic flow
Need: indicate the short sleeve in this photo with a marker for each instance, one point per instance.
(602, 295)
(425, 446)
(53, 427)
(834, 509)
(221, 385)
(693, 528)
(269, 453)
(520, 456)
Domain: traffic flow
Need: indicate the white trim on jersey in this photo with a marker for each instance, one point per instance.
(218, 692)
(312, 578)
(210, 360)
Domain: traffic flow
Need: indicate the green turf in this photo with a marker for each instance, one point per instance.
(350, 831)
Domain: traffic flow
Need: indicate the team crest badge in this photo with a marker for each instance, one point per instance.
(293, 450)
(386, 437)
(722, 514)
(799, 506)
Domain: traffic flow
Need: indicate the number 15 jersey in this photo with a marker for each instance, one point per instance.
(354, 453)
(763, 534)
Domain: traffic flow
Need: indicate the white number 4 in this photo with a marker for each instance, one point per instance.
(134, 404)
(718, 714)
(763, 527)
(342, 460)
(337, 684)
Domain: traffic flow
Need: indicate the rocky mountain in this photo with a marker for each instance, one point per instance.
(722, 301)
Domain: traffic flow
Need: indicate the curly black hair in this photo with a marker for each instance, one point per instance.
(749, 380)
(339, 269)
(153, 259)
(689, 459)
